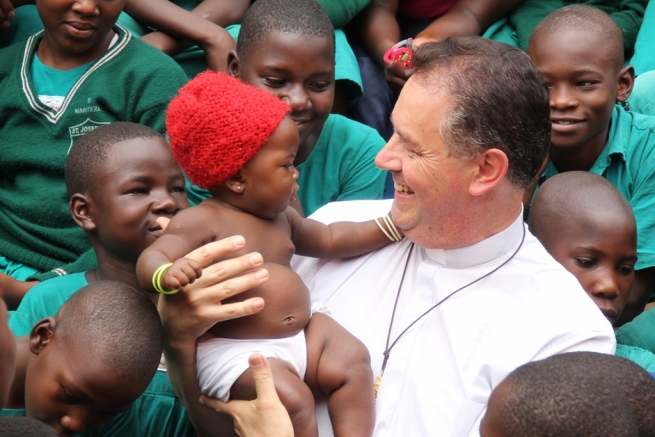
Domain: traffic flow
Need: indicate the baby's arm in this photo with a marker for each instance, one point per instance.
(187, 231)
(340, 239)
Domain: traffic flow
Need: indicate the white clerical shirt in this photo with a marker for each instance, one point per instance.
(441, 372)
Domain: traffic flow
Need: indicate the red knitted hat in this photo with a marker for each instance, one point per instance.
(217, 123)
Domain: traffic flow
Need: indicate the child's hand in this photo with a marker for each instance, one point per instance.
(182, 273)
(6, 13)
(217, 49)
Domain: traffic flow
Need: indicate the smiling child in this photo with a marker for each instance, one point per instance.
(239, 143)
(579, 52)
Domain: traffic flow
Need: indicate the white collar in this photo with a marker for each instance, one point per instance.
(482, 252)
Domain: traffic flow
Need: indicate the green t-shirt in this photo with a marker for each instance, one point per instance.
(642, 99)
(341, 166)
(157, 412)
(637, 355)
(639, 332)
(628, 162)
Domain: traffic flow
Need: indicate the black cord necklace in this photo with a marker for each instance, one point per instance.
(387, 352)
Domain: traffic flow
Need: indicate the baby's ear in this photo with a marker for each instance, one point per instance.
(235, 183)
(80, 207)
(233, 64)
(625, 83)
(41, 334)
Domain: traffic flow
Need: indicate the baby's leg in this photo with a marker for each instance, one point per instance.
(293, 392)
(338, 364)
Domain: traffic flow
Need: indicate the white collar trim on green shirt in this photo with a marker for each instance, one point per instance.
(50, 114)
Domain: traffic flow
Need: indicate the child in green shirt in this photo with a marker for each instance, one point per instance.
(81, 72)
(56, 382)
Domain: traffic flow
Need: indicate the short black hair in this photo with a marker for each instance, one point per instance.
(115, 324)
(562, 398)
(637, 383)
(499, 100)
(570, 197)
(298, 17)
(586, 19)
(15, 426)
(89, 152)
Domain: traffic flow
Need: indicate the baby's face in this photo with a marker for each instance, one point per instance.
(71, 393)
(600, 251)
(270, 176)
(582, 80)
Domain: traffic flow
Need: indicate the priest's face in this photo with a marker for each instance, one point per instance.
(431, 186)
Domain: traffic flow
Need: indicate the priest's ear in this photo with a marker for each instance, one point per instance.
(490, 168)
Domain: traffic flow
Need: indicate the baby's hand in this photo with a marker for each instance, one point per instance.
(182, 273)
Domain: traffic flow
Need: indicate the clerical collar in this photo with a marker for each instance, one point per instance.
(482, 252)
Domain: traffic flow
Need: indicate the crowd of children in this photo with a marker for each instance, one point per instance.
(111, 128)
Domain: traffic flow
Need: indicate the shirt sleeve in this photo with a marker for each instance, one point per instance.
(642, 199)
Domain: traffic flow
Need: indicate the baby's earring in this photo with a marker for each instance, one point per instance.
(239, 187)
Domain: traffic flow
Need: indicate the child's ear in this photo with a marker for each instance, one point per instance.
(41, 334)
(236, 183)
(80, 208)
(233, 64)
(625, 83)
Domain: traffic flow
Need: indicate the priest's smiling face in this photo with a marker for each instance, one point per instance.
(431, 186)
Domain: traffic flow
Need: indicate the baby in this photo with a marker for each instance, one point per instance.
(240, 144)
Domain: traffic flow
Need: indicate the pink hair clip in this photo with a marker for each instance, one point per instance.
(401, 52)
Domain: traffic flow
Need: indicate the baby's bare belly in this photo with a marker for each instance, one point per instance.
(286, 311)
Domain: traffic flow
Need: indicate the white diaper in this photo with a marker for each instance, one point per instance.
(221, 361)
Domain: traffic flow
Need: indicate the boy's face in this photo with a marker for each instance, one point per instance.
(7, 355)
(269, 178)
(600, 251)
(72, 394)
(140, 183)
(78, 26)
(298, 69)
(584, 83)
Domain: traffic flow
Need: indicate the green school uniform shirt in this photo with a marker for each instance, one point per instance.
(157, 412)
(628, 162)
(640, 332)
(341, 166)
(637, 355)
(130, 82)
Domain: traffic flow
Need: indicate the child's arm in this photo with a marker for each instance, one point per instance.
(184, 233)
(341, 239)
(178, 28)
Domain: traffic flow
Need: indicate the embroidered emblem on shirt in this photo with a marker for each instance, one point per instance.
(80, 129)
